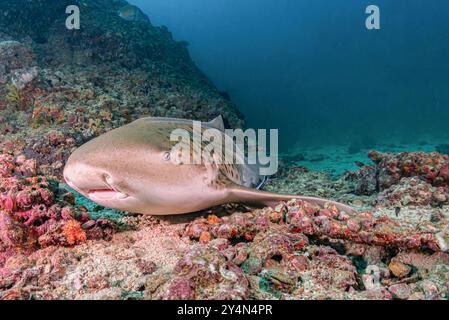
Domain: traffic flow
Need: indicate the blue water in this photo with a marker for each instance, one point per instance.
(313, 70)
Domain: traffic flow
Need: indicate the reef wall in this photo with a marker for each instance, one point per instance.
(60, 88)
(87, 81)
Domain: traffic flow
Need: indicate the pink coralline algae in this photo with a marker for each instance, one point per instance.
(11, 232)
(308, 219)
(291, 251)
(18, 63)
(331, 269)
(36, 215)
(365, 180)
(404, 179)
(204, 273)
(414, 192)
(431, 167)
(50, 151)
(30, 214)
(279, 262)
(366, 229)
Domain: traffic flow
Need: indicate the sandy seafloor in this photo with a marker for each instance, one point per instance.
(336, 159)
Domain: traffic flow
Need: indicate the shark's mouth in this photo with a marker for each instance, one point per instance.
(106, 194)
(103, 193)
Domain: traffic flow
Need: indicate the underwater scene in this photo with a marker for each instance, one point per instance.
(224, 150)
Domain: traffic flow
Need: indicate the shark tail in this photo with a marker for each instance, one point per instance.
(262, 198)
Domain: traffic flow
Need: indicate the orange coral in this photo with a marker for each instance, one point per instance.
(213, 219)
(205, 237)
(73, 232)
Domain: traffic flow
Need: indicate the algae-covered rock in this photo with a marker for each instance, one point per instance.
(140, 64)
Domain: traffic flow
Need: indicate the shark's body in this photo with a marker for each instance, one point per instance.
(130, 169)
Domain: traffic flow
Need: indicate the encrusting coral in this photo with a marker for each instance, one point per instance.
(33, 206)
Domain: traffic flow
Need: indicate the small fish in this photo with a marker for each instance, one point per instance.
(359, 164)
(132, 13)
(131, 169)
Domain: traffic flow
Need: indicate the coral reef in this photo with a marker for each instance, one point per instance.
(58, 89)
(18, 64)
(34, 212)
(403, 179)
(414, 191)
(431, 167)
(105, 75)
(288, 252)
(203, 273)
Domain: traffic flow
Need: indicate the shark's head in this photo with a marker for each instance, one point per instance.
(95, 181)
(96, 175)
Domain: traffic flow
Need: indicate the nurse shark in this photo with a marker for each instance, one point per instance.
(131, 168)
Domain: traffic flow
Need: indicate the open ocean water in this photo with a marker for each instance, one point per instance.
(314, 71)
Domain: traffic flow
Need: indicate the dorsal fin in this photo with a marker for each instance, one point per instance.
(217, 123)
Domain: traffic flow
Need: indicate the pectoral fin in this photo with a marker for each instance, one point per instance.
(262, 198)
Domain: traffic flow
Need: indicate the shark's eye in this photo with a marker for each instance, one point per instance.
(166, 156)
(108, 178)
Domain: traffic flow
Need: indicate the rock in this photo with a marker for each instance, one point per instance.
(18, 65)
(400, 291)
(430, 167)
(379, 294)
(204, 273)
(147, 267)
(181, 289)
(416, 296)
(374, 255)
(430, 289)
(12, 234)
(358, 203)
(20, 78)
(365, 180)
(413, 192)
(399, 269)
